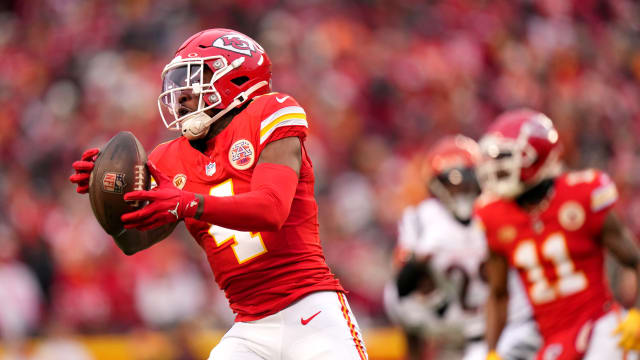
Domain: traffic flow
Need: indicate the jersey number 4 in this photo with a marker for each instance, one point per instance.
(246, 245)
(554, 249)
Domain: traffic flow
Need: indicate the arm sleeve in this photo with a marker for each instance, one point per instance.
(264, 208)
(492, 242)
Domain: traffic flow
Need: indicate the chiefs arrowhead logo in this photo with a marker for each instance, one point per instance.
(238, 43)
(179, 180)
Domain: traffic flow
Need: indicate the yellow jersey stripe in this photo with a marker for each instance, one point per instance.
(603, 197)
(282, 118)
(282, 111)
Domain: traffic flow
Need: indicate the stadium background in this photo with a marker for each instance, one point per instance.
(380, 80)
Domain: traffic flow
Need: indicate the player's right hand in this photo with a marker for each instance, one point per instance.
(83, 169)
(493, 355)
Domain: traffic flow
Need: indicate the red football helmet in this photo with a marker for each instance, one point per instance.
(520, 149)
(450, 174)
(239, 68)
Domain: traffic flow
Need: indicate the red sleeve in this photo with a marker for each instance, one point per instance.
(595, 192)
(156, 157)
(484, 214)
(492, 242)
(264, 208)
(157, 153)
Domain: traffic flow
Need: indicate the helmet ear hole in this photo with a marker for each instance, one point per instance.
(240, 80)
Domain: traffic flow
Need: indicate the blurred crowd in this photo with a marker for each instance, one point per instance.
(380, 80)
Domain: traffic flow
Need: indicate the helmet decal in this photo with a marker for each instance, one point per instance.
(450, 174)
(237, 43)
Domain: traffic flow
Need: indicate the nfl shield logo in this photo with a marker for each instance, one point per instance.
(113, 182)
(210, 169)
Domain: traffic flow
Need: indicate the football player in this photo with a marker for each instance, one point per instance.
(441, 284)
(241, 180)
(553, 228)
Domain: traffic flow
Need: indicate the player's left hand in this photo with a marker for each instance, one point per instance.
(629, 330)
(83, 168)
(167, 204)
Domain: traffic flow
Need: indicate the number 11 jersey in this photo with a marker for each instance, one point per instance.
(557, 251)
(261, 273)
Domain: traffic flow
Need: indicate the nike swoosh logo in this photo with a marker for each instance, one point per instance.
(281, 100)
(306, 321)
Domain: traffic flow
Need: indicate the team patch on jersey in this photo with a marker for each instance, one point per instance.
(179, 181)
(241, 154)
(507, 233)
(571, 215)
(113, 182)
(603, 197)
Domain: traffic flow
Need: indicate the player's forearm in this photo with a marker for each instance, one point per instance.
(264, 208)
(622, 244)
(496, 318)
(130, 241)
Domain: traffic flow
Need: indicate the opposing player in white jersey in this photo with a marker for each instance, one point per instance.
(441, 281)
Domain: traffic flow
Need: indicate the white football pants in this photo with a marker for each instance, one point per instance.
(319, 326)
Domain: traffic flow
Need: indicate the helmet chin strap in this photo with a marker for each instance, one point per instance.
(195, 125)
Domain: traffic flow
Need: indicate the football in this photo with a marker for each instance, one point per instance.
(119, 169)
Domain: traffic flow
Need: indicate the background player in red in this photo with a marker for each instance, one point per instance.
(440, 287)
(553, 227)
(241, 180)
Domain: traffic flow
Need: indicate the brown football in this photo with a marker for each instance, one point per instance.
(119, 168)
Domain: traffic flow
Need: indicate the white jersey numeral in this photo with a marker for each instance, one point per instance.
(554, 249)
(246, 245)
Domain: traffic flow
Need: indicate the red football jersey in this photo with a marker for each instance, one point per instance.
(263, 272)
(556, 251)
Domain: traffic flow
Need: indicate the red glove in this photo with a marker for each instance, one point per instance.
(168, 204)
(83, 169)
